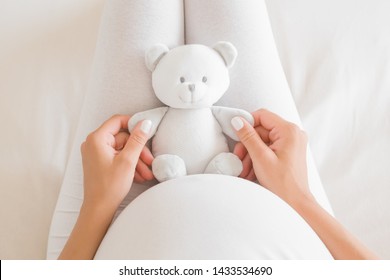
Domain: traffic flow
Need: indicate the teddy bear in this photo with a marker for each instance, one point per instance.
(189, 134)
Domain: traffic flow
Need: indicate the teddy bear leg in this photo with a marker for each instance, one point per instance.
(167, 167)
(225, 163)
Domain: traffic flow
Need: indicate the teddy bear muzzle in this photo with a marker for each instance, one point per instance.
(192, 94)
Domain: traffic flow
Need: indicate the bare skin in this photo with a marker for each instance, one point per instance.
(273, 152)
(112, 159)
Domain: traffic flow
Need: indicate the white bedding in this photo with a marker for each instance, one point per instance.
(120, 82)
(335, 55)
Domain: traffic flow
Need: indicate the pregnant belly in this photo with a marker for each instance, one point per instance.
(210, 217)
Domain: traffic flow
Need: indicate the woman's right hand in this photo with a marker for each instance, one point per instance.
(112, 159)
(274, 150)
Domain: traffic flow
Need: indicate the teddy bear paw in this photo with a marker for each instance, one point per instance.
(167, 167)
(226, 164)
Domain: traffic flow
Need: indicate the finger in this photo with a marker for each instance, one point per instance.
(267, 119)
(120, 140)
(143, 170)
(264, 134)
(114, 124)
(240, 150)
(82, 148)
(138, 178)
(136, 142)
(247, 166)
(147, 156)
(251, 176)
(249, 137)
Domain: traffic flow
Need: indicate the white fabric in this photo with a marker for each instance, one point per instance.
(224, 115)
(210, 217)
(46, 52)
(178, 77)
(257, 78)
(193, 135)
(336, 58)
(121, 83)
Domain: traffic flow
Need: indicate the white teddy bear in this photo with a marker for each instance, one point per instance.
(188, 134)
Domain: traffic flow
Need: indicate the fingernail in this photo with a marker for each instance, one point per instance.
(237, 123)
(146, 126)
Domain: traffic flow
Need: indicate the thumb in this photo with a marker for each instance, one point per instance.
(249, 138)
(136, 142)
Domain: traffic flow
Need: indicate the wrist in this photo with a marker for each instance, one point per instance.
(299, 199)
(100, 209)
(91, 226)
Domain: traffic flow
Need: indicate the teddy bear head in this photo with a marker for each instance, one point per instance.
(190, 76)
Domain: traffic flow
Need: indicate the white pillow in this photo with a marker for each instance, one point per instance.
(210, 217)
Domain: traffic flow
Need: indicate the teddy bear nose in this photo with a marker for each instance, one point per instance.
(191, 87)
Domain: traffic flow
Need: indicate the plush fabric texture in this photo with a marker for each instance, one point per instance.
(190, 79)
(210, 217)
(178, 77)
(337, 67)
(120, 82)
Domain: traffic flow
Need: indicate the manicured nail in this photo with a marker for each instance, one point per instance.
(146, 126)
(237, 123)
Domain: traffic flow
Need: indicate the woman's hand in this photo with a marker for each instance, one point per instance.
(274, 152)
(112, 158)
(143, 172)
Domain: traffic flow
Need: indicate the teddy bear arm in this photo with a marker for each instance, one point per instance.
(224, 116)
(154, 115)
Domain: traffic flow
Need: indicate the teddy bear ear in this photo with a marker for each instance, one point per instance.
(227, 51)
(154, 54)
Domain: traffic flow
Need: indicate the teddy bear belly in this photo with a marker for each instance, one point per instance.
(194, 135)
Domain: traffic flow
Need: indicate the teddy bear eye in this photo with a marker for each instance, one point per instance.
(182, 80)
(204, 79)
